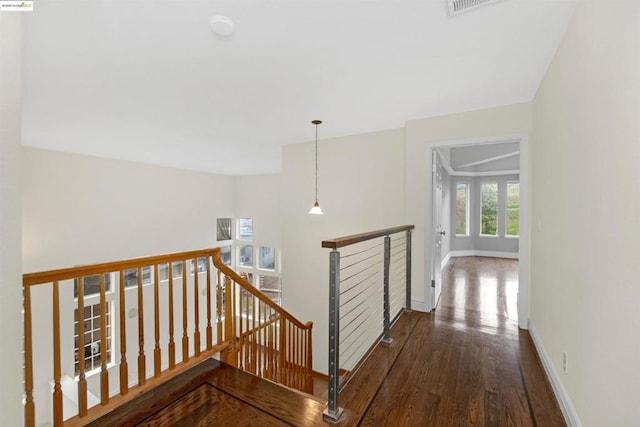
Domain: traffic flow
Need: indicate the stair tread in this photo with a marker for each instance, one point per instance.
(215, 391)
(286, 404)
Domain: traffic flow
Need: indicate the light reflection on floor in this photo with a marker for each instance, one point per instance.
(480, 291)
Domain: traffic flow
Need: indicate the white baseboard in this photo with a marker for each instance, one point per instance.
(419, 306)
(445, 261)
(493, 254)
(566, 405)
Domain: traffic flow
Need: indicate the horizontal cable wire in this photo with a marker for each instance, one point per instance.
(375, 273)
(399, 245)
(397, 299)
(357, 273)
(342, 341)
(342, 268)
(347, 347)
(357, 350)
(362, 251)
(343, 316)
(362, 308)
(343, 305)
(396, 259)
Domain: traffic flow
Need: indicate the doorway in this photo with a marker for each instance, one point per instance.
(478, 160)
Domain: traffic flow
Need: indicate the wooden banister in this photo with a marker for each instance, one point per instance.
(251, 331)
(217, 261)
(33, 279)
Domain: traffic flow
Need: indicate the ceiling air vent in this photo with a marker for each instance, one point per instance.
(458, 6)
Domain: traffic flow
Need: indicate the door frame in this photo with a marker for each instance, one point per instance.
(436, 203)
(525, 236)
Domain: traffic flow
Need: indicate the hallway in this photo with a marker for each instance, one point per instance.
(480, 292)
(467, 363)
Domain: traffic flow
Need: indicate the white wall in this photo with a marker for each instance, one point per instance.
(586, 212)
(258, 197)
(10, 263)
(420, 136)
(359, 189)
(82, 210)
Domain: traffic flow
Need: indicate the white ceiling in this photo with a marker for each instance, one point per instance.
(482, 159)
(147, 80)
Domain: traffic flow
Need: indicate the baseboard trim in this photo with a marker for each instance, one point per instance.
(566, 405)
(419, 306)
(493, 254)
(445, 261)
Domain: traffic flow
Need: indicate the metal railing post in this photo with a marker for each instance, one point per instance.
(386, 338)
(333, 411)
(408, 272)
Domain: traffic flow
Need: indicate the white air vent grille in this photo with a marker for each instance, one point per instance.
(457, 6)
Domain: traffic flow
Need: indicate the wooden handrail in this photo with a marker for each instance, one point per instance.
(340, 242)
(217, 261)
(33, 279)
(261, 326)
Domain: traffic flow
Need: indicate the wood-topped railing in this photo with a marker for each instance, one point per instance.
(369, 287)
(166, 307)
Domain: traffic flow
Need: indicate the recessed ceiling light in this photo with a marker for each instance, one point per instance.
(221, 25)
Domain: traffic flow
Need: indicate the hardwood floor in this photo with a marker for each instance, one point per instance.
(214, 393)
(467, 364)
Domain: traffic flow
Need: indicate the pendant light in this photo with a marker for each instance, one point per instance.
(315, 210)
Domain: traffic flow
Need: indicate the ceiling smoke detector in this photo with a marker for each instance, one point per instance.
(221, 25)
(459, 6)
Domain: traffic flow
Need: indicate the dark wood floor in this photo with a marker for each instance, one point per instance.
(466, 364)
(216, 394)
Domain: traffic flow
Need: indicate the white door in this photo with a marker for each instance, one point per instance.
(436, 259)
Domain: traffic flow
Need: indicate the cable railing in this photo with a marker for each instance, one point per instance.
(369, 287)
(97, 336)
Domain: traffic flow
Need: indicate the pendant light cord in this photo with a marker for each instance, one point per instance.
(316, 163)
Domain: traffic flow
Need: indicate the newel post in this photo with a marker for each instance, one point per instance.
(333, 411)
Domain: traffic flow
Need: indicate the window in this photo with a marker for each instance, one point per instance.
(271, 287)
(267, 259)
(245, 229)
(245, 257)
(489, 208)
(462, 209)
(163, 270)
(93, 346)
(223, 229)
(225, 255)
(513, 209)
(131, 277)
(202, 265)
(92, 285)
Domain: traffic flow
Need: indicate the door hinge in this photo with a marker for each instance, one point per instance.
(433, 283)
